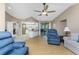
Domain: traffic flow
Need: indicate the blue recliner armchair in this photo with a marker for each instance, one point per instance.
(9, 47)
(52, 37)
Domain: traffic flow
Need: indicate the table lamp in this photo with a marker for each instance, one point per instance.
(67, 31)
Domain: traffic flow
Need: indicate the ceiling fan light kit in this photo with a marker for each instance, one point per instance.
(44, 13)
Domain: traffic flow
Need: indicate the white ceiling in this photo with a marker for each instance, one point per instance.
(25, 10)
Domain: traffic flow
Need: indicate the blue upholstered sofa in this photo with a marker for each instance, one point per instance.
(52, 37)
(9, 47)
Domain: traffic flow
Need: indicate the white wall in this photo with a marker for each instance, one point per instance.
(2, 16)
(72, 16)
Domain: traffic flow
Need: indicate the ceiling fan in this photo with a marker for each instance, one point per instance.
(44, 11)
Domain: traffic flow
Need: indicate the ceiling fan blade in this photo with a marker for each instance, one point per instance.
(51, 11)
(46, 7)
(46, 14)
(37, 11)
(40, 15)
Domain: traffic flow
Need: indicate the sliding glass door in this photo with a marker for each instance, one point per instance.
(44, 28)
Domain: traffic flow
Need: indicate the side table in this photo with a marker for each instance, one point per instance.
(61, 38)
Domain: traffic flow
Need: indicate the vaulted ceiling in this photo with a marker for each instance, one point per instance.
(26, 10)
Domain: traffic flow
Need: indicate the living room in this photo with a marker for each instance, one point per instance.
(30, 25)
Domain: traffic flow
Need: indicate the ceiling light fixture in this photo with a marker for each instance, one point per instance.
(44, 13)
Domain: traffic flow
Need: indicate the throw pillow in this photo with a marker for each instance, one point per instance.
(74, 36)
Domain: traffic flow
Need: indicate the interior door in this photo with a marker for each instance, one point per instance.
(10, 27)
